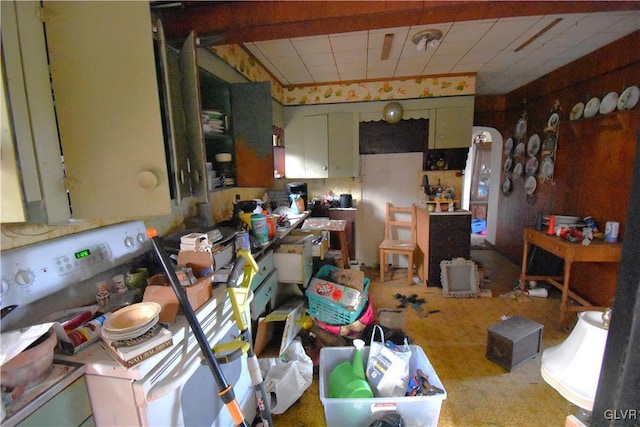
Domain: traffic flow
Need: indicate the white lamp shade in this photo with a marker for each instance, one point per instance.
(573, 367)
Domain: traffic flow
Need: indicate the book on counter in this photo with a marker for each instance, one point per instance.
(130, 355)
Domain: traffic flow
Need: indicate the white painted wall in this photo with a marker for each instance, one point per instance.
(494, 180)
(385, 178)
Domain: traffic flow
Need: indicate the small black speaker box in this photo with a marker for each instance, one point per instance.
(513, 342)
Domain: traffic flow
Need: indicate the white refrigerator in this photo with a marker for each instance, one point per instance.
(385, 178)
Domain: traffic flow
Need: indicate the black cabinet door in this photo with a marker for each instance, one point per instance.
(449, 238)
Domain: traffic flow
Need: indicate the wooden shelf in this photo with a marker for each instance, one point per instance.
(446, 201)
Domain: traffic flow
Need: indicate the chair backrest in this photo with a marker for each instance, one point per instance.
(400, 217)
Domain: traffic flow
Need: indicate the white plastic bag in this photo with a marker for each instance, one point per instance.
(287, 377)
(388, 366)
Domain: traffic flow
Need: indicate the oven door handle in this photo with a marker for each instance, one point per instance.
(167, 385)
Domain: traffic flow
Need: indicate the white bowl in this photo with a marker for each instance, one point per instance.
(132, 318)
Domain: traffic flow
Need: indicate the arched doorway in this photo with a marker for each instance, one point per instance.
(482, 178)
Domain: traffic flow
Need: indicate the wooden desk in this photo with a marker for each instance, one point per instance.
(336, 225)
(597, 251)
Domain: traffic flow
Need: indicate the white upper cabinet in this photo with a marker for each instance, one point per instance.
(453, 125)
(108, 107)
(321, 146)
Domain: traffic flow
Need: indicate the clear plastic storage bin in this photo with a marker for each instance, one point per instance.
(415, 410)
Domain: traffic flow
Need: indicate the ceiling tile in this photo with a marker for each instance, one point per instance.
(352, 67)
(312, 45)
(468, 30)
(318, 59)
(276, 48)
(349, 57)
(349, 41)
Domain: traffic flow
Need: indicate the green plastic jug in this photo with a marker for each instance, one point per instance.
(347, 380)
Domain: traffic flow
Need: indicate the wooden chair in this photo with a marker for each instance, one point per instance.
(397, 218)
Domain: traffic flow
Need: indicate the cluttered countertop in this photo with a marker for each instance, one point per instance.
(127, 244)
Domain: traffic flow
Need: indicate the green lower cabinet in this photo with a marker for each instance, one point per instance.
(70, 407)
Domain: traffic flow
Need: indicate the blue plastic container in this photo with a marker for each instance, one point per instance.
(478, 225)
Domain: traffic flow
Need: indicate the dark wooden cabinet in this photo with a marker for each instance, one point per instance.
(449, 238)
(350, 230)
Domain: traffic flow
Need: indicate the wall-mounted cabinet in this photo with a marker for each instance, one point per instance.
(452, 125)
(107, 109)
(178, 74)
(127, 112)
(321, 146)
(247, 133)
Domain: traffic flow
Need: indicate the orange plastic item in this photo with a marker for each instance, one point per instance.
(552, 225)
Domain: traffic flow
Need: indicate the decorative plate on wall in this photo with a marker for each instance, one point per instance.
(628, 98)
(546, 169)
(530, 185)
(532, 166)
(506, 186)
(517, 170)
(519, 151)
(508, 162)
(552, 122)
(508, 146)
(549, 146)
(521, 128)
(609, 103)
(534, 145)
(592, 107)
(576, 111)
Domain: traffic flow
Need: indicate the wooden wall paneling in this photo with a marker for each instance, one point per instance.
(592, 154)
(240, 22)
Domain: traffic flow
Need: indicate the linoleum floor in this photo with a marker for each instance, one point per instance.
(479, 392)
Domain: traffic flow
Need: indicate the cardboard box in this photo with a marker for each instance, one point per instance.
(198, 261)
(279, 328)
(197, 294)
(351, 278)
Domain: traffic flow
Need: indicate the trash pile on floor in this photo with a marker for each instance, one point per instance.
(368, 371)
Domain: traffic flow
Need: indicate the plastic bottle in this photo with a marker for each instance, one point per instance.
(539, 221)
(538, 292)
(83, 336)
(552, 225)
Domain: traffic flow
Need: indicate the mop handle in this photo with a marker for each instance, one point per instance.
(242, 313)
(226, 390)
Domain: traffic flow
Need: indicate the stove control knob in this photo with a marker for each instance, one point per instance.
(24, 277)
(5, 286)
(142, 237)
(128, 241)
